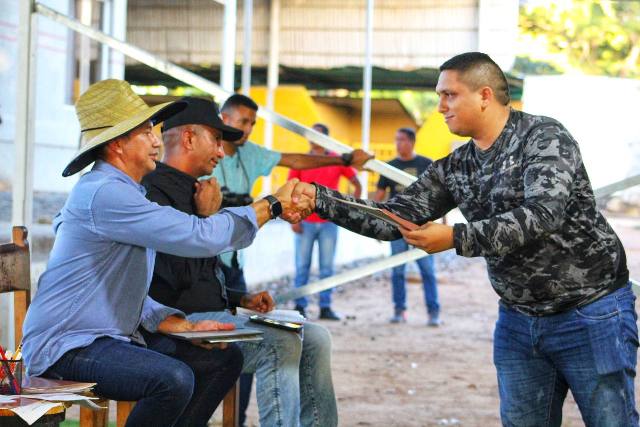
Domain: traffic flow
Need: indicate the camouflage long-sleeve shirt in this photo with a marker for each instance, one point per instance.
(531, 213)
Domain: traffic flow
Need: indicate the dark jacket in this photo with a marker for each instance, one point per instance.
(188, 284)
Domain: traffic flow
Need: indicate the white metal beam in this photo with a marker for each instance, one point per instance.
(22, 193)
(247, 46)
(228, 60)
(86, 16)
(366, 87)
(272, 79)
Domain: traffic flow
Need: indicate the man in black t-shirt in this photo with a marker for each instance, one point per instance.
(413, 164)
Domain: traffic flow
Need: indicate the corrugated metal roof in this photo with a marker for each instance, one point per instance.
(314, 33)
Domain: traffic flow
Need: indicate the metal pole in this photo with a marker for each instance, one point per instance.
(272, 79)
(85, 46)
(366, 86)
(212, 88)
(22, 205)
(227, 62)
(107, 28)
(246, 50)
(119, 28)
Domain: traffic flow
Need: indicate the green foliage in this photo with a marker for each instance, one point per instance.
(592, 36)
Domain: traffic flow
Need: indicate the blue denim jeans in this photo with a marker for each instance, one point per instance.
(174, 382)
(398, 283)
(591, 350)
(326, 234)
(293, 373)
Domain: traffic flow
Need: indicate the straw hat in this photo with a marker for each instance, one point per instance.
(107, 110)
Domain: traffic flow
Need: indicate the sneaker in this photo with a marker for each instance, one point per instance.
(300, 309)
(434, 320)
(400, 316)
(327, 314)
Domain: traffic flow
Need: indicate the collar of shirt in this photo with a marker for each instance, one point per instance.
(109, 169)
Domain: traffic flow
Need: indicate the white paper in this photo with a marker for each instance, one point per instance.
(57, 397)
(65, 397)
(32, 413)
(6, 399)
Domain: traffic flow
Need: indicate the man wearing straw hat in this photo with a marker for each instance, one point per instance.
(91, 319)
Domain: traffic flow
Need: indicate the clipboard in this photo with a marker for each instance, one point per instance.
(212, 337)
(382, 214)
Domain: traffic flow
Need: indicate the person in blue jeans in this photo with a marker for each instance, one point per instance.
(326, 234)
(315, 229)
(414, 164)
(293, 370)
(566, 317)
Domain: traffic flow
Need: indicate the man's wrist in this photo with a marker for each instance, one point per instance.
(275, 206)
(347, 158)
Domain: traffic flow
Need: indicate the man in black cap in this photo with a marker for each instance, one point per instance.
(284, 363)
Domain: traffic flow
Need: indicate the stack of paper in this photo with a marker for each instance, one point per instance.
(33, 385)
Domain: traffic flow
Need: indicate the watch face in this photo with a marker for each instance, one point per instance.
(276, 209)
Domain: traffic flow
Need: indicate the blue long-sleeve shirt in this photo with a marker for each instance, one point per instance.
(102, 260)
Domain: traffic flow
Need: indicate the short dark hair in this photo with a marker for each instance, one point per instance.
(234, 101)
(324, 129)
(478, 69)
(411, 134)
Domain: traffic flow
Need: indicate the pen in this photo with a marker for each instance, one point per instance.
(18, 353)
(12, 380)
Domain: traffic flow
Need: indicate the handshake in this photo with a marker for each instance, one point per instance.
(298, 200)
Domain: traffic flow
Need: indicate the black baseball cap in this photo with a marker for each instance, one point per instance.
(201, 111)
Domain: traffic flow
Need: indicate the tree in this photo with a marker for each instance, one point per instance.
(591, 36)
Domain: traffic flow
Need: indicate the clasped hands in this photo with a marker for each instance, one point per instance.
(298, 200)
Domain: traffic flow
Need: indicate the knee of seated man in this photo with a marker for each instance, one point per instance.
(286, 343)
(177, 380)
(317, 338)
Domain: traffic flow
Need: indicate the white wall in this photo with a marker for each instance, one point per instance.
(602, 115)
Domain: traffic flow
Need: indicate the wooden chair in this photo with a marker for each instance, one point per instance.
(15, 277)
(91, 418)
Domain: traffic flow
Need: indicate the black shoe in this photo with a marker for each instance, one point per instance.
(328, 314)
(300, 309)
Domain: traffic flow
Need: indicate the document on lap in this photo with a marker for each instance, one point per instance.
(212, 337)
(382, 214)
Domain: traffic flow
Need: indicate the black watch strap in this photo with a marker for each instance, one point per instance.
(347, 158)
(275, 207)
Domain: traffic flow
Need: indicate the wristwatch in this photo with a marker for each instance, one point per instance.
(347, 158)
(275, 207)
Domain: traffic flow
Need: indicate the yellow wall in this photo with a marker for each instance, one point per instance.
(295, 103)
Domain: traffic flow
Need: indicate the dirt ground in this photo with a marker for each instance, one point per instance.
(413, 375)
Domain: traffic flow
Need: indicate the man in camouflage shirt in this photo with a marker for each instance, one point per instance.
(566, 318)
